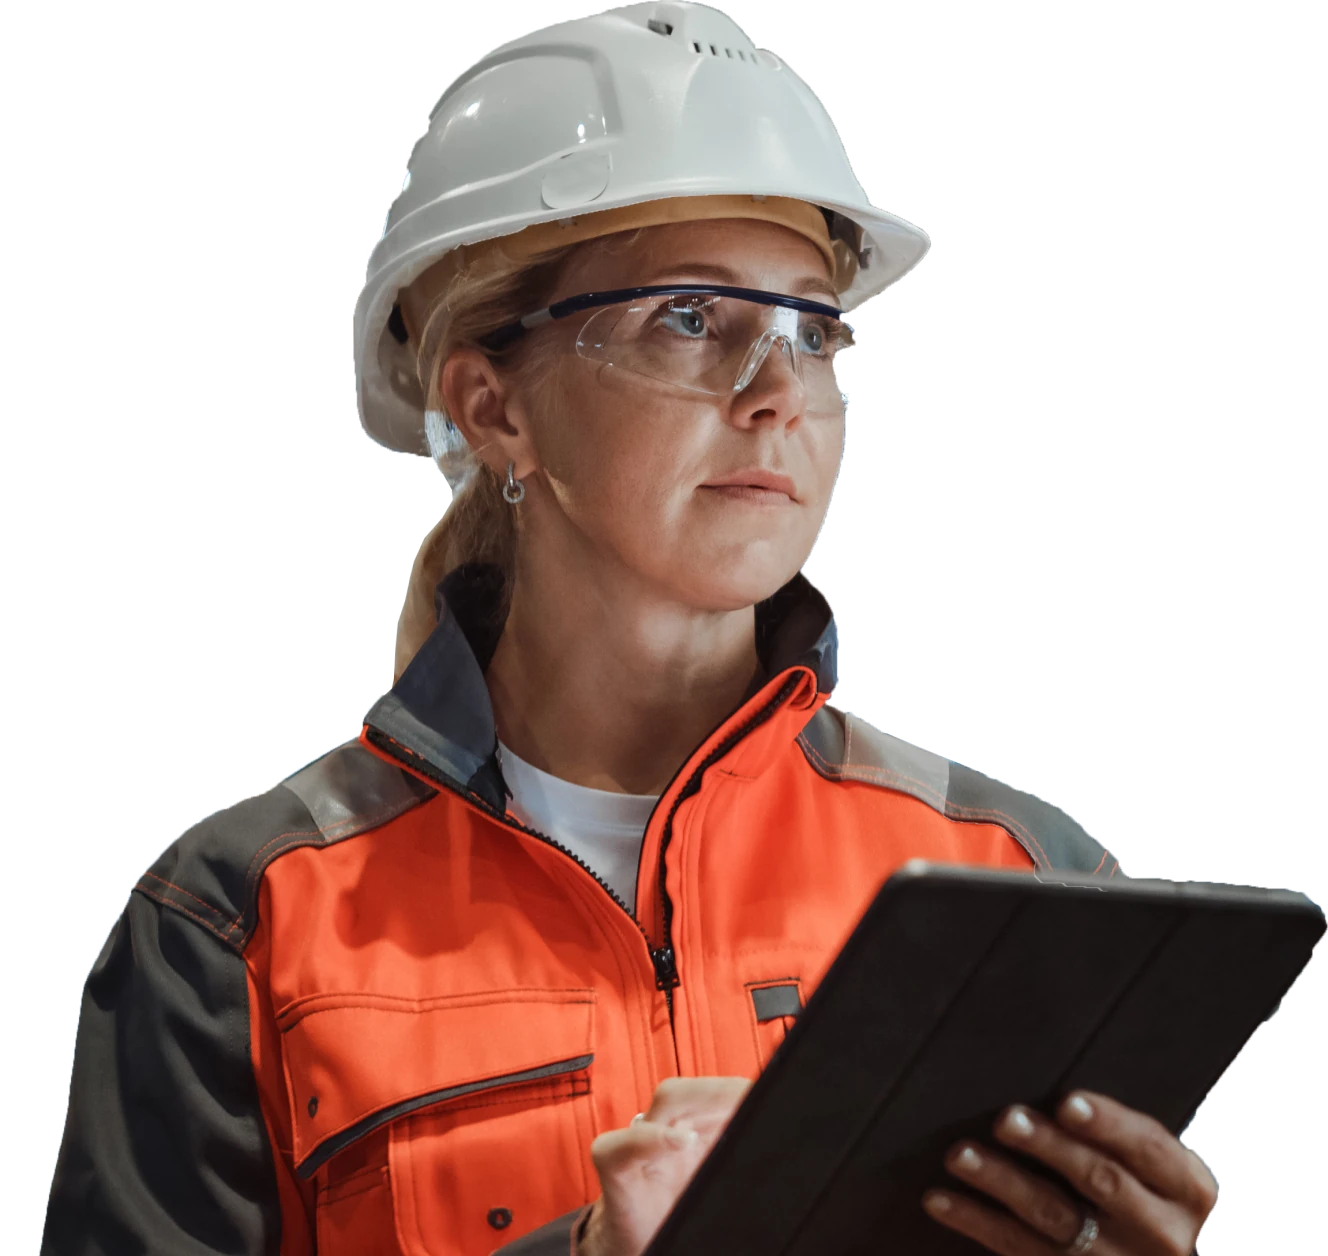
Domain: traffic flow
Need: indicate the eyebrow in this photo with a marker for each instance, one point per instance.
(723, 274)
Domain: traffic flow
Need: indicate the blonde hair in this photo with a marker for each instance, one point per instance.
(486, 290)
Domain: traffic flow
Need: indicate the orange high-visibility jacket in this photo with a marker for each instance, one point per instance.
(366, 1012)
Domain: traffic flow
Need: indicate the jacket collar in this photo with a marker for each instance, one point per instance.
(439, 711)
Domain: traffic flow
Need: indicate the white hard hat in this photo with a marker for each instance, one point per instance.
(641, 103)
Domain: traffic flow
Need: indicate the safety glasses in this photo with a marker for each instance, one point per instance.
(705, 338)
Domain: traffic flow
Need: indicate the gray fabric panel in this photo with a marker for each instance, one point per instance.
(439, 709)
(822, 741)
(552, 1239)
(351, 786)
(795, 628)
(876, 757)
(164, 1146)
(1051, 838)
(844, 748)
(454, 760)
(772, 1002)
(212, 873)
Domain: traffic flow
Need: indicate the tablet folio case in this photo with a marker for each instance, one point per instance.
(961, 991)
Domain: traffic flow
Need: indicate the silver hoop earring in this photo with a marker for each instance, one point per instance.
(513, 490)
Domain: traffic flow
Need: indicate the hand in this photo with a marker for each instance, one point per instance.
(1151, 1193)
(643, 1168)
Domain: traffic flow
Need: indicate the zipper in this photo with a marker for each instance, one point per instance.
(666, 965)
(419, 764)
(662, 957)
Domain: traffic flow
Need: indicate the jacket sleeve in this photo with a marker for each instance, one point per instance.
(165, 1148)
(555, 1238)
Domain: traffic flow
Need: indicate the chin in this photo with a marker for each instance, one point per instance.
(735, 585)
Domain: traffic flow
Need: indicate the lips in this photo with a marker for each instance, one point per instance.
(757, 481)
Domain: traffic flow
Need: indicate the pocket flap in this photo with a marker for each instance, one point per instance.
(357, 1061)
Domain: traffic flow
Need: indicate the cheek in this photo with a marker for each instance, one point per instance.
(823, 450)
(623, 468)
(617, 464)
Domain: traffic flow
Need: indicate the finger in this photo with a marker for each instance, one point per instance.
(1097, 1176)
(696, 1099)
(1033, 1199)
(998, 1232)
(623, 1151)
(1143, 1145)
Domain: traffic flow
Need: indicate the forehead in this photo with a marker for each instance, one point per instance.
(744, 252)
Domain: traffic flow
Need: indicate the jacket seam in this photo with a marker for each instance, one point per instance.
(393, 1004)
(158, 897)
(691, 866)
(365, 1180)
(266, 854)
(181, 890)
(408, 1155)
(890, 779)
(590, 907)
(255, 871)
(732, 775)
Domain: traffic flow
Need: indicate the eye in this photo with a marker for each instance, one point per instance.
(685, 320)
(821, 336)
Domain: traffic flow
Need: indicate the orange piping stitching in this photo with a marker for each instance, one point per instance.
(182, 890)
(166, 902)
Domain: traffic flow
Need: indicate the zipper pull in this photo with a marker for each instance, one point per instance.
(666, 968)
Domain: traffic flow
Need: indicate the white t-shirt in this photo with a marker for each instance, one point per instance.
(602, 828)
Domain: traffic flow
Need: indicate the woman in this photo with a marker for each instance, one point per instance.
(498, 971)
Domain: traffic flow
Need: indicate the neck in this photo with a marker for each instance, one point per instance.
(606, 683)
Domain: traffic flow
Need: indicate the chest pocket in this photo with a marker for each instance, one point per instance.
(445, 1126)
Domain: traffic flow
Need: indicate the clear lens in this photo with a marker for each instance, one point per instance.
(717, 344)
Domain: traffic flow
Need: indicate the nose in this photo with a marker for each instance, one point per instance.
(775, 392)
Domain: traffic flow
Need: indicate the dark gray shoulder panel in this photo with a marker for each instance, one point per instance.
(164, 1148)
(844, 748)
(213, 871)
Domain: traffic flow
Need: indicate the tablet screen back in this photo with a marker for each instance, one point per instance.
(963, 990)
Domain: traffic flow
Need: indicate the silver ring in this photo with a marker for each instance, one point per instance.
(1086, 1237)
(640, 1116)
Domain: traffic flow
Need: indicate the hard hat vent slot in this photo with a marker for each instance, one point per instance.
(660, 28)
(730, 53)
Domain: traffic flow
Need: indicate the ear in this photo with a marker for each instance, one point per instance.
(485, 412)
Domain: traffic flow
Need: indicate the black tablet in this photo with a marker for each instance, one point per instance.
(963, 990)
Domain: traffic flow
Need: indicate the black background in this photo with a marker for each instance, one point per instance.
(1021, 575)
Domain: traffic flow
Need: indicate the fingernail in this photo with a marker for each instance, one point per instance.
(1078, 1109)
(681, 1137)
(936, 1202)
(1018, 1124)
(969, 1159)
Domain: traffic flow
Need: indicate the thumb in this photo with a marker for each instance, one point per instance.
(617, 1151)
